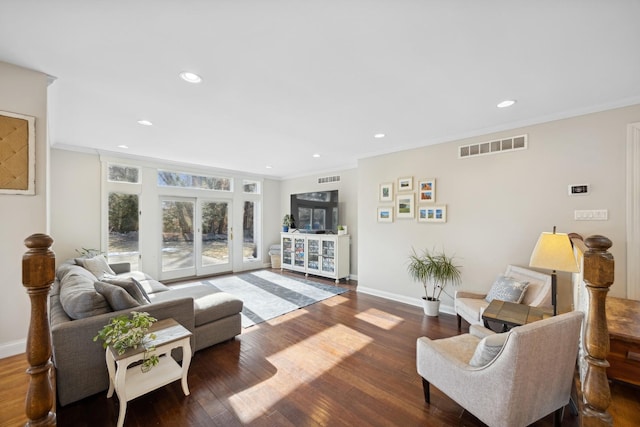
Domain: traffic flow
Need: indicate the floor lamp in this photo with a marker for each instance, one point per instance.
(554, 252)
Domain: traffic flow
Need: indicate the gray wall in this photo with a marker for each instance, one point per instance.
(22, 91)
(499, 204)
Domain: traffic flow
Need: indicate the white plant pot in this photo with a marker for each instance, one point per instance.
(431, 307)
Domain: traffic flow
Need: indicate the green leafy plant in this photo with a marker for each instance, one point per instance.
(123, 332)
(340, 227)
(288, 221)
(436, 268)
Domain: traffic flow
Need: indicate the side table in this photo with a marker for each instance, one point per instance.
(131, 382)
(511, 314)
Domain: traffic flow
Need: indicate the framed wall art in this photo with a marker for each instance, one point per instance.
(427, 191)
(17, 154)
(386, 192)
(432, 214)
(404, 206)
(385, 214)
(405, 184)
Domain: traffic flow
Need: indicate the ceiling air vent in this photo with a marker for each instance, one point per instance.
(328, 179)
(493, 147)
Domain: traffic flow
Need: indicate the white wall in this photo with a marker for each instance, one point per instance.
(498, 204)
(75, 202)
(22, 91)
(347, 205)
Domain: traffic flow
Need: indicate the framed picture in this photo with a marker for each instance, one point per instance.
(432, 214)
(405, 184)
(385, 214)
(17, 151)
(386, 192)
(427, 191)
(404, 206)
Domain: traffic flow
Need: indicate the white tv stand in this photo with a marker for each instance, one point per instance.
(325, 255)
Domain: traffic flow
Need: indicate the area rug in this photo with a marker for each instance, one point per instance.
(267, 295)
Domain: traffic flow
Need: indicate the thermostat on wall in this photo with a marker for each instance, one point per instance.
(579, 190)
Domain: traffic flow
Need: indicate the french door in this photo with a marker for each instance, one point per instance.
(196, 237)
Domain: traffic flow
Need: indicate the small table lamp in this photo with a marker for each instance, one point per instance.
(554, 252)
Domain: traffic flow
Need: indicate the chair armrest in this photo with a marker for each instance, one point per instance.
(467, 294)
(480, 331)
(120, 267)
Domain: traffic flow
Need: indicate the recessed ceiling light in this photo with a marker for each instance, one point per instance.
(123, 146)
(379, 135)
(506, 103)
(269, 167)
(145, 123)
(316, 155)
(190, 77)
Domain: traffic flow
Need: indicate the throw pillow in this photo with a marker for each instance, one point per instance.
(117, 297)
(132, 286)
(507, 289)
(487, 349)
(98, 265)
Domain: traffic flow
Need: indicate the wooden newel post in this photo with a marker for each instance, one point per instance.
(38, 273)
(598, 276)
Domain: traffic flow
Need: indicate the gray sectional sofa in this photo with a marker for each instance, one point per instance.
(78, 311)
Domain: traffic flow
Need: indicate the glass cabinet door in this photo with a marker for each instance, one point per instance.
(328, 256)
(313, 254)
(287, 251)
(298, 260)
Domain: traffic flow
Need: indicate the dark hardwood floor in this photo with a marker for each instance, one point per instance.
(346, 361)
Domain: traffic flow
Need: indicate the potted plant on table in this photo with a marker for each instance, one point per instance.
(437, 269)
(123, 333)
(287, 221)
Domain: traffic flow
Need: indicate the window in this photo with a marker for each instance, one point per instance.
(187, 180)
(250, 187)
(249, 232)
(123, 243)
(119, 173)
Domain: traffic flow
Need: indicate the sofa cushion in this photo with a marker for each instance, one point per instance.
(471, 308)
(133, 288)
(98, 265)
(131, 285)
(507, 289)
(150, 286)
(208, 304)
(79, 298)
(117, 297)
(487, 349)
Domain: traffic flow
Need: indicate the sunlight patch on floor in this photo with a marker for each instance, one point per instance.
(379, 318)
(333, 301)
(296, 366)
(287, 316)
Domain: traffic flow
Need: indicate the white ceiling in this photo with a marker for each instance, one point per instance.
(286, 79)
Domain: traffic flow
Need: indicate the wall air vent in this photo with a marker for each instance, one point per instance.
(493, 147)
(328, 179)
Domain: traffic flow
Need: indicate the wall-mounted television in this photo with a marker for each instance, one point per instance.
(316, 211)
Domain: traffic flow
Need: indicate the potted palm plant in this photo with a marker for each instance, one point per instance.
(436, 269)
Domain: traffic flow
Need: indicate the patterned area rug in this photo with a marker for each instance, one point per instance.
(267, 295)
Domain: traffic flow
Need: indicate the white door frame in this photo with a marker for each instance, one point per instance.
(633, 211)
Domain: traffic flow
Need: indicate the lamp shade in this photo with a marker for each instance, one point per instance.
(554, 252)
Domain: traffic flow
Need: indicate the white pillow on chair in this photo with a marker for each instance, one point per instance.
(507, 289)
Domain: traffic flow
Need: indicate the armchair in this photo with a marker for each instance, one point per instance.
(470, 305)
(529, 378)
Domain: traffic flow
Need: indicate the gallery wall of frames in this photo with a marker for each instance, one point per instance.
(401, 200)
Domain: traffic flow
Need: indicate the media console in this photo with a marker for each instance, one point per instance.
(325, 255)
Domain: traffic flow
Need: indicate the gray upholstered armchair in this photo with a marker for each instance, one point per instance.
(519, 376)
(470, 306)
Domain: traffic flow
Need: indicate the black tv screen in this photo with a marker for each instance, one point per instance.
(316, 211)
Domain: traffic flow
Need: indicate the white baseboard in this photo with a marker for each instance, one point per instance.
(12, 348)
(417, 302)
